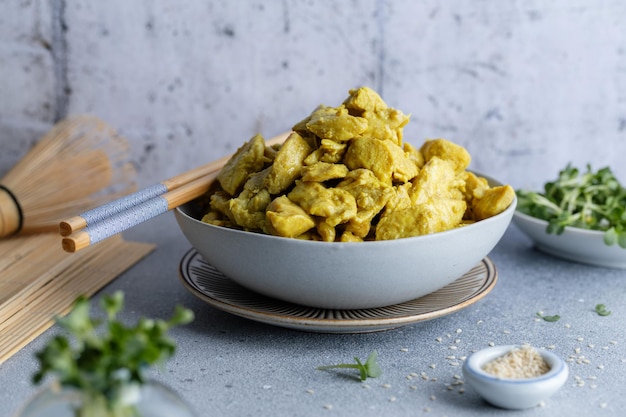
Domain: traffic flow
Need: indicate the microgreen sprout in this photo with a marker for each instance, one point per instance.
(601, 310)
(588, 200)
(106, 364)
(369, 369)
(551, 319)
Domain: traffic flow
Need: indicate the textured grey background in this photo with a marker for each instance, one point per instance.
(526, 86)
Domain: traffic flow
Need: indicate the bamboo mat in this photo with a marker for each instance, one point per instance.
(39, 281)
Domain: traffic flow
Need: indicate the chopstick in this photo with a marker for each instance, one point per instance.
(112, 218)
(98, 214)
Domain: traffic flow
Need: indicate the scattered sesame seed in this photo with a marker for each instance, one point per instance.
(426, 410)
(392, 399)
(541, 404)
(310, 391)
(409, 377)
(461, 390)
(457, 341)
(413, 374)
(432, 366)
(600, 366)
(580, 339)
(591, 345)
(386, 386)
(592, 378)
(462, 358)
(433, 398)
(365, 386)
(457, 376)
(404, 349)
(459, 331)
(506, 331)
(413, 387)
(479, 322)
(438, 339)
(603, 405)
(537, 319)
(567, 325)
(577, 350)
(267, 386)
(450, 357)
(434, 379)
(328, 406)
(452, 347)
(613, 342)
(491, 344)
(551, 347)
(449, 387)
(453, 363)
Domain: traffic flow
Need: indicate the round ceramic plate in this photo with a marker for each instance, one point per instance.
(211, 286)
(574, 244)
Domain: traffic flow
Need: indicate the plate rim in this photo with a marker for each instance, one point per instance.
(335, 325)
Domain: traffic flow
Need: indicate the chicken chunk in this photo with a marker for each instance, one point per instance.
(493, 201)
(248, 159)
(339, 126)
(287, 219)
(287, 164)
(323, 171)
(386, 159)
(449, 151)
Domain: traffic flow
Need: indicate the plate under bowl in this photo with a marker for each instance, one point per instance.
(219, 291)
(574, 244)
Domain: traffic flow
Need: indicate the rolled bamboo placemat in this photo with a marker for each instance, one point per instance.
(38, 281)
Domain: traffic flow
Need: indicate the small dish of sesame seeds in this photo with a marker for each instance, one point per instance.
(515, 377)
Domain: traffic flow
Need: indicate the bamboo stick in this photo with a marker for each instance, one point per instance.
(98, 214)
(117, 219)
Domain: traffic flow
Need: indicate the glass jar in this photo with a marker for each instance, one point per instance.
(152, 399)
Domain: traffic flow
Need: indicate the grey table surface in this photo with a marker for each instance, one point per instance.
(226, 365)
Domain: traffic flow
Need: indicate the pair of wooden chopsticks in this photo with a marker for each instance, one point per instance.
(112, 218)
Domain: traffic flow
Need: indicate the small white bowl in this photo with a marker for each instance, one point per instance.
(574, 244)
(514, 394)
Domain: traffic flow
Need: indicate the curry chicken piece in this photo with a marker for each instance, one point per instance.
(370, 195)
(446, 150)
(287, 219)
(330, 206)
(384, 158)
(248, 159)
(287, 164)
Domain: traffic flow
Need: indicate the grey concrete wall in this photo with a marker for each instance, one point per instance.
(526, 86)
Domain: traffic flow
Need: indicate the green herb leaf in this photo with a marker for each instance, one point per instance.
(588, 200)
(601, 310)
(105, 361)
(369, 369)
(551, 319)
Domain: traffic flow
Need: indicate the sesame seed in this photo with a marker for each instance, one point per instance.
(459, 331)
(426, 410)
(409, 377)
(457, 376)
(450, 357)
(452, 347)
(438, 339)
(591, 345)
(551, 347)
(580, 339)
(541, 404)
(310, 391)
(457, 341)
(506, 331)
(567, 325)
(365, 386)
(404, 349)
(491, 344)
(603, 405)
(413, 387)
(461, 390)
(432, 366)
(392, 399)
(613, 342)
(479, 322)
(328, 406)
(433, 398)
(600, 366)
(386, 386)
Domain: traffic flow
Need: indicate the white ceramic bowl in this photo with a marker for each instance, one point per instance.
(574, 244)
(351, 275)
(514, 394)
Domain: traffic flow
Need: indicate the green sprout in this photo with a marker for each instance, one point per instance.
(369, 369)
(551, 319)
(601, 310)
(587, 200)
(106, 364)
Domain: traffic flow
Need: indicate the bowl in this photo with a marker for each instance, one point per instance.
(574, 244)
(509, 393)
(343, 275)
